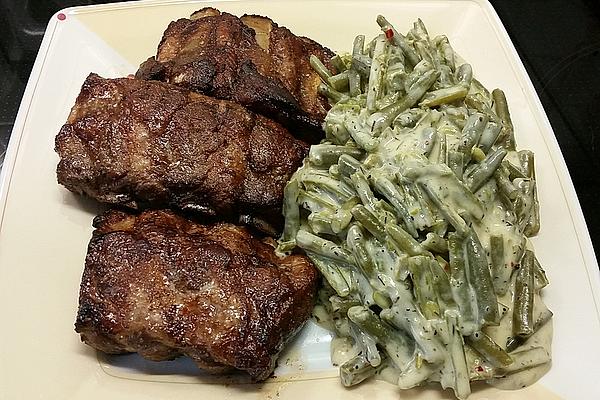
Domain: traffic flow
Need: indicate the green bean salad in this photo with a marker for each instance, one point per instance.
(416, 209)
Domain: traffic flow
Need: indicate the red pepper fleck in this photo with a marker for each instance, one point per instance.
(389, 33)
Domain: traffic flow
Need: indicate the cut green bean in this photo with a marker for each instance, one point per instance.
(404, 241)
(332, 274)
(342, 191)
(461, 384)
(489, 136)
(408, 118)
(362, 65)
(367, 343)
(525, 206)
(327, 154)
(524, 295)
(478, 88)
(355, 240)
(382, 299)
(514, 172)
(532, 227)
(461, 291)
(505, 185)
(315, 203)
(439, 151)
(485, 346)
(391, 193)
(464, 75)
(339, 64)
(331, 93)
(363, 139)
(446, 51)
(397, 346)
(476, 102)
(449, 214)
(456, 162)
(354, 83)
(384, 118)
(358, 61)
(421, 208)
(362, 187)
(526, 158)
(378, 63)
(336, 132)
(320, 222)
(356, 370)
(341, 305)
(441, 284)
(501, 270)
(394, 82)
(424, 53)
(507, 136)
(480, 279)
(342, 216)
(339, 82)
(484, 170)
(370, 222)
(470, 134)
(516, 341)
(443, 96)
(291, 212)
(358, 45)
(435, 243)
(423, 287)
(319, 68)
(527, 359)
(420, 30)
(334, 171)
(322, 247)
(541, 280)
(399, 40)
(348, 165)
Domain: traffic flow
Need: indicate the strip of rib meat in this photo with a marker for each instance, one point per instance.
(250, 60)
(163, 286)
(147, 144)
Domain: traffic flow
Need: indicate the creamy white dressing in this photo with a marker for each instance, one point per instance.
(400, 153)
(419, 177)
(541, 338)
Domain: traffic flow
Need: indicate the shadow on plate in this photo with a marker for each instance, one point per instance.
(83, 203)
(182, 369)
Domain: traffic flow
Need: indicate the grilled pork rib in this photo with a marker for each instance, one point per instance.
(145, 143)
(162, 286)
(249, 60)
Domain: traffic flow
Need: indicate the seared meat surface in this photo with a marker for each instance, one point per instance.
(250, 60)
(150, 144)
(162, 286)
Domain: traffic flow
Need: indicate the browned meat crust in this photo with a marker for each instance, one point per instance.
(162, 286)
(250, 60)
(144, 143)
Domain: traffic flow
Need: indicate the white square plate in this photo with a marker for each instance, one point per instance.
(45, 229)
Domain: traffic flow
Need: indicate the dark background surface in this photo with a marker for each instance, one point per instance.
(558, 41)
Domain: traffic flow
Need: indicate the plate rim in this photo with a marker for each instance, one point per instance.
(560, 168)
